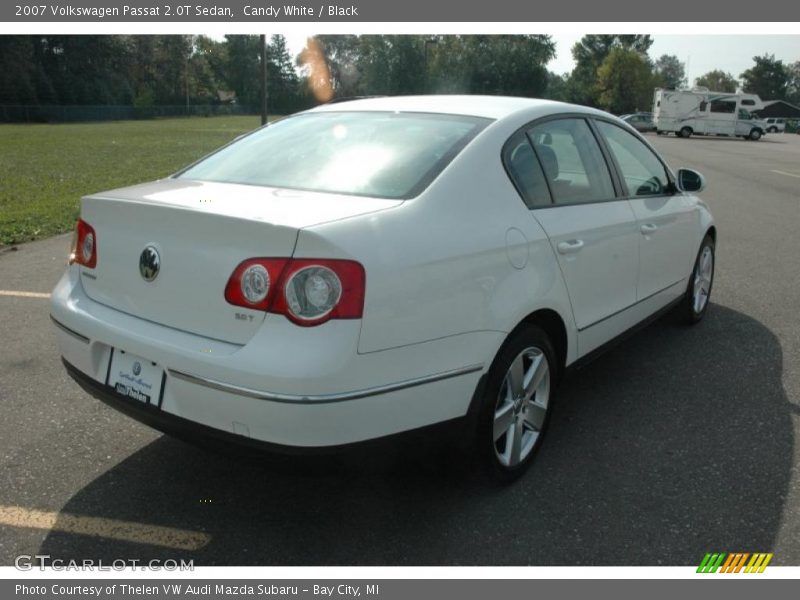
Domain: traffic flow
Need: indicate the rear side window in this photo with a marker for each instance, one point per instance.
(642, 171)
(377, 154)
(525, 171)
(572, 161)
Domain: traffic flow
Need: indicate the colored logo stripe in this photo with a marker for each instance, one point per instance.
(758, 563)
(734, 562)
(711, 563)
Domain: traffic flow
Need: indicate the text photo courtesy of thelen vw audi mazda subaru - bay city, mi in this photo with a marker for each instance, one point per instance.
(377, 266)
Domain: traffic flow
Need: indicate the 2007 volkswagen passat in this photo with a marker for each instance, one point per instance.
(377, 266)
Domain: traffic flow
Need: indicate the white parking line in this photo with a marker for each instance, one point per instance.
(18, 294)
(126, 531)
(785, 173)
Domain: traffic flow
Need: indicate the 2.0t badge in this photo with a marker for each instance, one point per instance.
(149, 263)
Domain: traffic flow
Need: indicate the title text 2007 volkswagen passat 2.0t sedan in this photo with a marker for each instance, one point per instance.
(377, 266)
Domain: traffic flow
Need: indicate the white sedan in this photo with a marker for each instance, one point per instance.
(378, 266)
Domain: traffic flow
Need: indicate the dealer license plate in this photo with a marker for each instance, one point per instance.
(135, 377)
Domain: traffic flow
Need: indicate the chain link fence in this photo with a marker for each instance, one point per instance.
(16, 113)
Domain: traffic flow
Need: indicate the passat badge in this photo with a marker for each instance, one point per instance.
(149, 263)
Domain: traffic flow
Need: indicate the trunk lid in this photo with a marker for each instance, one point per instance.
(201, 232)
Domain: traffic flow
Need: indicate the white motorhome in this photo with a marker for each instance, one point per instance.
(703, 112)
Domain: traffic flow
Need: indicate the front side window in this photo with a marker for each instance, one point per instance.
(723, 106)
(642, 171)
(572, 161)
(383, 155)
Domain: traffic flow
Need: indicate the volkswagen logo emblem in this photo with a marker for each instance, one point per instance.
(137, 368)
(149, 263)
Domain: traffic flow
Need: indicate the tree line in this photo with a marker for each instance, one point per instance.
(144, 70)
(612, 72)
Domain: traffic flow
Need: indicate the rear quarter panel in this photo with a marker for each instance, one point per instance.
(439, 265)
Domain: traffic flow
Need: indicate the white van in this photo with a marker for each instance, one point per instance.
(703, 112)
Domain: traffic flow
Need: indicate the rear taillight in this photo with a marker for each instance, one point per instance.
(307, 291)
(84, 245)
(314, 291)
(254, 282)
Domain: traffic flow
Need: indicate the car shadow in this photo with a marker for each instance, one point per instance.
(676, 443)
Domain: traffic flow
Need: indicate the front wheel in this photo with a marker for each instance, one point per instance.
(755, 135)
(516, 405)
(694, 305)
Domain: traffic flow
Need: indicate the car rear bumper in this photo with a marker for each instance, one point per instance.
(451, 431)
(263, 392)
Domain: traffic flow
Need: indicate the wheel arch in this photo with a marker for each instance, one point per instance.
(554, 326)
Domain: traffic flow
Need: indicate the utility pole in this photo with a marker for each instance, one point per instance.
(186, 72)
(263, 79)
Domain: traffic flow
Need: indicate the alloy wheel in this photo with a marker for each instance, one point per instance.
(521, 407)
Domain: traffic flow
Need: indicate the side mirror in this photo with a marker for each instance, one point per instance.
(690, 181)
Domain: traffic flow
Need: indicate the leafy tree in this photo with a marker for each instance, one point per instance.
(589, 53)
(207, 73)
(491, 64)
(768, 78)
(793, 87)
(242, 67)
(717, 81)
(413, 64)
(282, 80)
(392, 64)
(557, 86)
(330, 61)
(624, 82)
(18, 70)
(670, 71)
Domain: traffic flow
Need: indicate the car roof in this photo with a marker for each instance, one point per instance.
(490, 107)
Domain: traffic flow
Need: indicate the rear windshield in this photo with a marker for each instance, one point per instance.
(384, 155)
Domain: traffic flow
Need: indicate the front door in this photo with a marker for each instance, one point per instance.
(666, 219)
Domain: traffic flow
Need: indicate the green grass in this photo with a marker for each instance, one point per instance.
(45, 169)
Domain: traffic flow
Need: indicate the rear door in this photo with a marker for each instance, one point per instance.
(593, 233)
(666, 220)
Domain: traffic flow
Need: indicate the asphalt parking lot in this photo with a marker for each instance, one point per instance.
(679, 442)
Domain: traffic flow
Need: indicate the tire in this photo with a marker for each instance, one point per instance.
(773, 130)
(695, 302)
(505, 417)
(755, 134)
(685, 132)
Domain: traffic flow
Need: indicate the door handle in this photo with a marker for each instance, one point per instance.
(570, 247)
(648, 228)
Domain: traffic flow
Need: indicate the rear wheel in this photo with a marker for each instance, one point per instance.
(685, 132)
(516, 405)
(773, 130)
